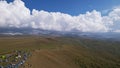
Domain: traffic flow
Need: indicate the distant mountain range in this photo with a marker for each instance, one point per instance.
(30, 31)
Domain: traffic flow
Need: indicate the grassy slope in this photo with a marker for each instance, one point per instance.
(65, 52)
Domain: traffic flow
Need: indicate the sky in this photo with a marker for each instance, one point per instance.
(61, 15)
(72, 7)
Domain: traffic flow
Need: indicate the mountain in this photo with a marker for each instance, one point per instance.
(31, 31)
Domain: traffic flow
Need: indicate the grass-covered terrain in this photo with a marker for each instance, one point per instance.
(64, 52)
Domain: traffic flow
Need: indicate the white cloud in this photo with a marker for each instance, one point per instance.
(16, 14)
(13, 14)
(117, 31)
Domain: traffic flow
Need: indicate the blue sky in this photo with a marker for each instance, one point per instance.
(72, 7)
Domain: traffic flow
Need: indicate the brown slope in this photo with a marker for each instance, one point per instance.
(51, 59)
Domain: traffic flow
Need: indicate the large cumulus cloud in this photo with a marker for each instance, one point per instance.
(16, 14)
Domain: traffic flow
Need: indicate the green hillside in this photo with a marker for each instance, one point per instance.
(64, 52)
